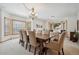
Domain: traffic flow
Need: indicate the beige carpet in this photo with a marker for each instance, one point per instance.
(12, 47)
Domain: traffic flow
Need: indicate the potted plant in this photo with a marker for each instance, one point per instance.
(76, 36)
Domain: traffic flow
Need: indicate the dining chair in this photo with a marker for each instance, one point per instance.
(54, 35)
(25, 38)
(33, 42)
(57, 46)
(21, 37)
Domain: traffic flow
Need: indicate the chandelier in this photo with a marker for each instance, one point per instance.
(33, 14)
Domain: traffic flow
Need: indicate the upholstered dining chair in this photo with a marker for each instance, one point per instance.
(55, 34)
(57, 46)
(33, 41)
(21, 37)
(25, 38)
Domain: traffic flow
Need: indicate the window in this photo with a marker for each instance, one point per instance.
(28, 25)
(17, 26)
(7, 26)
(12, 26)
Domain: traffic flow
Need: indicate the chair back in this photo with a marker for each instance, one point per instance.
(61, 40)
(21, 35)
(55, 34)
(32, 38)
(24, 32)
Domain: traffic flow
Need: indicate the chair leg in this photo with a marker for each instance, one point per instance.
(23, 44)
(26, 45)
(49, 40)
(29, 48)
(35, 51)
(62, 51)
(59, 53)
(19, 41)
(46, 51)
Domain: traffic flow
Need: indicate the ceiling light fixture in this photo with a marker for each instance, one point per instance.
(33, 14)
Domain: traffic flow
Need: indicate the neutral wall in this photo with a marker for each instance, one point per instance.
(72, 23)
(6, 14)
(39, 22)
(0, 25)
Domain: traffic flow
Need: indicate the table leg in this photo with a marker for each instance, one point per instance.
(41, 49)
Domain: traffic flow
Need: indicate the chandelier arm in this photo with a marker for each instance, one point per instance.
(26, 7)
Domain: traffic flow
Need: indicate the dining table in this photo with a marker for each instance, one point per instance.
(42, 39)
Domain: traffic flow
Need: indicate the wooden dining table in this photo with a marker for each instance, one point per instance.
(42, 38)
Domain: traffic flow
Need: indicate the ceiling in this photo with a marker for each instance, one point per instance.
(44, 10)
